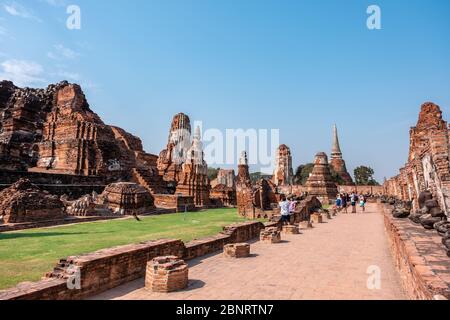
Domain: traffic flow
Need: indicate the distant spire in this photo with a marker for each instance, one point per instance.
(197, 134)
(336, 150)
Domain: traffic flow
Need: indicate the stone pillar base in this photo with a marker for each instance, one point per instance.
(166, 274)
(316, 218)
(305, 225)
(236, 250)
(290, 229)
(270, 236)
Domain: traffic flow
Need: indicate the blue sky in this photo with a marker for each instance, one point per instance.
(297, 66)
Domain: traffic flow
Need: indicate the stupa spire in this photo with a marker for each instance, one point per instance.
(336, 149)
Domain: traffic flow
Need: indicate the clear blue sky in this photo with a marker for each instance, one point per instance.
(299, 66)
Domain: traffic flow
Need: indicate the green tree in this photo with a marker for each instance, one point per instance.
(255, 176)
(212, 173)
(302, 173)
(336, 177)
(364, 176)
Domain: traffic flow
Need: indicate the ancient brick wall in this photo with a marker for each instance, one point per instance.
(419, 257)
(428, 166)
(109, 268)
(169, 201)
(374, 190)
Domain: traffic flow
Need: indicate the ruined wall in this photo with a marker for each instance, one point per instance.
(53, 130)
(419, 257)
(109, 268)
(25, 202)
(428, 166)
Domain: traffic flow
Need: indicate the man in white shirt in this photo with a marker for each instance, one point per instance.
(284, 206)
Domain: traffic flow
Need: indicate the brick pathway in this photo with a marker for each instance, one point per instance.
(327, 262)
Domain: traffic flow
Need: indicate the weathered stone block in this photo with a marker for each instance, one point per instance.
(290, 229)
(166, 274)
(305, 225)
(270, 235)
(316, 218)
(236, 250)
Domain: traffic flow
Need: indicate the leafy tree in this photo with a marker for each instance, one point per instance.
(302, 173)
(255, 176)
(212, 173)
(336, 177)
(364, 176)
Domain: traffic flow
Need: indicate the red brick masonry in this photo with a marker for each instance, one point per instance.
(419, 256)
(166, 274)
(109, 268)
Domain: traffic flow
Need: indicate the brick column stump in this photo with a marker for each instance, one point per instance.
(270, 235)
(305, 225)
(290, 229)
(316, 218)
(166, 274)
(236, 250)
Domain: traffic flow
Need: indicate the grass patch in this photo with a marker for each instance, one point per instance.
(27, 255)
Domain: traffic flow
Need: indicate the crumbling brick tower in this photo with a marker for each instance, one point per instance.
(194, 179)
(283, 174)
(244, 192)
(320, 183)
(428, 166)
(76, 141)
(171, 159)
(337, 162)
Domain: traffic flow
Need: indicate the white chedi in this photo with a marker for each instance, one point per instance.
(195, 155)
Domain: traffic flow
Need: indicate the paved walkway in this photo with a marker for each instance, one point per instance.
(330, 261)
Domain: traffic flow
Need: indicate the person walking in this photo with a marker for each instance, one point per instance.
(292, 206)
(354, 199)
(338, 203)
(284, 208)
(362, 203)
(344, 202)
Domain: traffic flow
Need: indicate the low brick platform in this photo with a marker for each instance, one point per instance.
(316, 218)
(166, 274)
(290, 229)
(237, 250)
(305, 225)
(108, 268)
(270, 236)
(420, 257)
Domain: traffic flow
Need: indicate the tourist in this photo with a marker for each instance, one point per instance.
(338, 202)
(362, 203)
(284, 208)
(292, 205)
(353, 199)
(344, 202)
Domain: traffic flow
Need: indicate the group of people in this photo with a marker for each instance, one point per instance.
(344, 200)
(288, 205)
(287, 208)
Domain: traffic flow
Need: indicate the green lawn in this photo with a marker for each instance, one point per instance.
(28, 255)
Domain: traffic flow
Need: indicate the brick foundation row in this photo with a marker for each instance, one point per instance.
(419, 256)
(109, 268)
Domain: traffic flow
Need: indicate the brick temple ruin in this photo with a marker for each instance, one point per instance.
(427, 168)
(223, 188)
(421, 192)
(64, 151)
(283, 174)
(60, 162)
